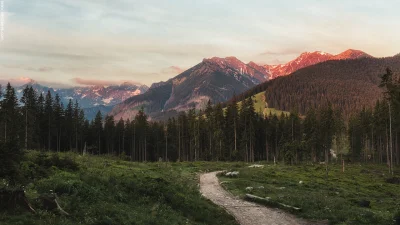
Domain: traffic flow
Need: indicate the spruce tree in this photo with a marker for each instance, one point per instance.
(97, 127)
(49, 117)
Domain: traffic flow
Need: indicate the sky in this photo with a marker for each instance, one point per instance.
(92, 42)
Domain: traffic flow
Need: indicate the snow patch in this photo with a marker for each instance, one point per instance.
(108, 100)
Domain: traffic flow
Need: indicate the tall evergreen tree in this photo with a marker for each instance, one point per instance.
(10, 114)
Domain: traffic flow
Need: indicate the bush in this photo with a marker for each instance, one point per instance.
(10, 158)
(54, 160)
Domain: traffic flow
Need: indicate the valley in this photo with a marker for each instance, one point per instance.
(212, 112)
(113, 190)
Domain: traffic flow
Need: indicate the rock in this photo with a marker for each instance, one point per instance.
(235, 173)
(256, 166)
(249, 189)
(232, 174)
(301, 182)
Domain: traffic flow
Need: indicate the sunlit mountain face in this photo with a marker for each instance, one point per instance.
(311, 58)
(217, 80)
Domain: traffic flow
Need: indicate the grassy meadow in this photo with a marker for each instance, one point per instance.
(99, 190)
(261, 106)
(106, 191)
(341, 198)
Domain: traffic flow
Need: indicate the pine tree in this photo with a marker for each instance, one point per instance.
(10, 114)
(49, 117)
(141, 126)
(41, 124)
(29, 108)
(231, 128)
(58, 111)
(210, 127)
(120, 135)
(10, 153)
(97, 126)
(392, 96)
(327, 131)
(219, 131)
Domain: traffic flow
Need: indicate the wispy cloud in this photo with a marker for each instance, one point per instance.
(172, 70)
(16, 81)
(94, 82)
(140, 40)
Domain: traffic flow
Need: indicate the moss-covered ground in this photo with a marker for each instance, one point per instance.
(340, 198)
(104, 191)
(97, 190)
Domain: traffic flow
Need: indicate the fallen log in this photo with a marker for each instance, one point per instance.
(269, 202)
(50, 202)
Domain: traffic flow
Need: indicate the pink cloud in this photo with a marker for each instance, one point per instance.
(95, 82)
(16, 81)
(173, 69)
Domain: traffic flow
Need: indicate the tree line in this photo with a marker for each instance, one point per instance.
(217, 133)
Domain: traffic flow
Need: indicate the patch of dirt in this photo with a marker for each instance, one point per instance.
(246, 213)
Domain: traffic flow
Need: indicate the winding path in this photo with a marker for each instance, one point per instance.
(246, 213)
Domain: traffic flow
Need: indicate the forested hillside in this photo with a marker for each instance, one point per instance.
(349, 85)
(236, 133)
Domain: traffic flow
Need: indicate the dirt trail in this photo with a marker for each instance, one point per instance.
(246, 213)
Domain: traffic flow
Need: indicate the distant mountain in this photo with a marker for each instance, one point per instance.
(90, 98)
(311, 58)
(349, 85)
(215, 79)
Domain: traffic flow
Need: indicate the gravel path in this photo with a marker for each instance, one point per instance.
(246, 213)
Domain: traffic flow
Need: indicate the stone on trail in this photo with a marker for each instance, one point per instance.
(249, 189)
(232, 174)
(256, 166)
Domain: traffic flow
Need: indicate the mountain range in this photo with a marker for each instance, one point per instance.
(90, 98)
(348, 85)
(216, 80)
(311, 58)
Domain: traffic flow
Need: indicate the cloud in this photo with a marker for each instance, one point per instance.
(95, 82)
(15, 82)
(19, 81)
(173, 70)
(91, 82)
(99, 39)
(280, 52)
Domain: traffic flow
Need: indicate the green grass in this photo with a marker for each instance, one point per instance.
(111, 191)
(106, 190)
(260, 106)
(335, 199)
